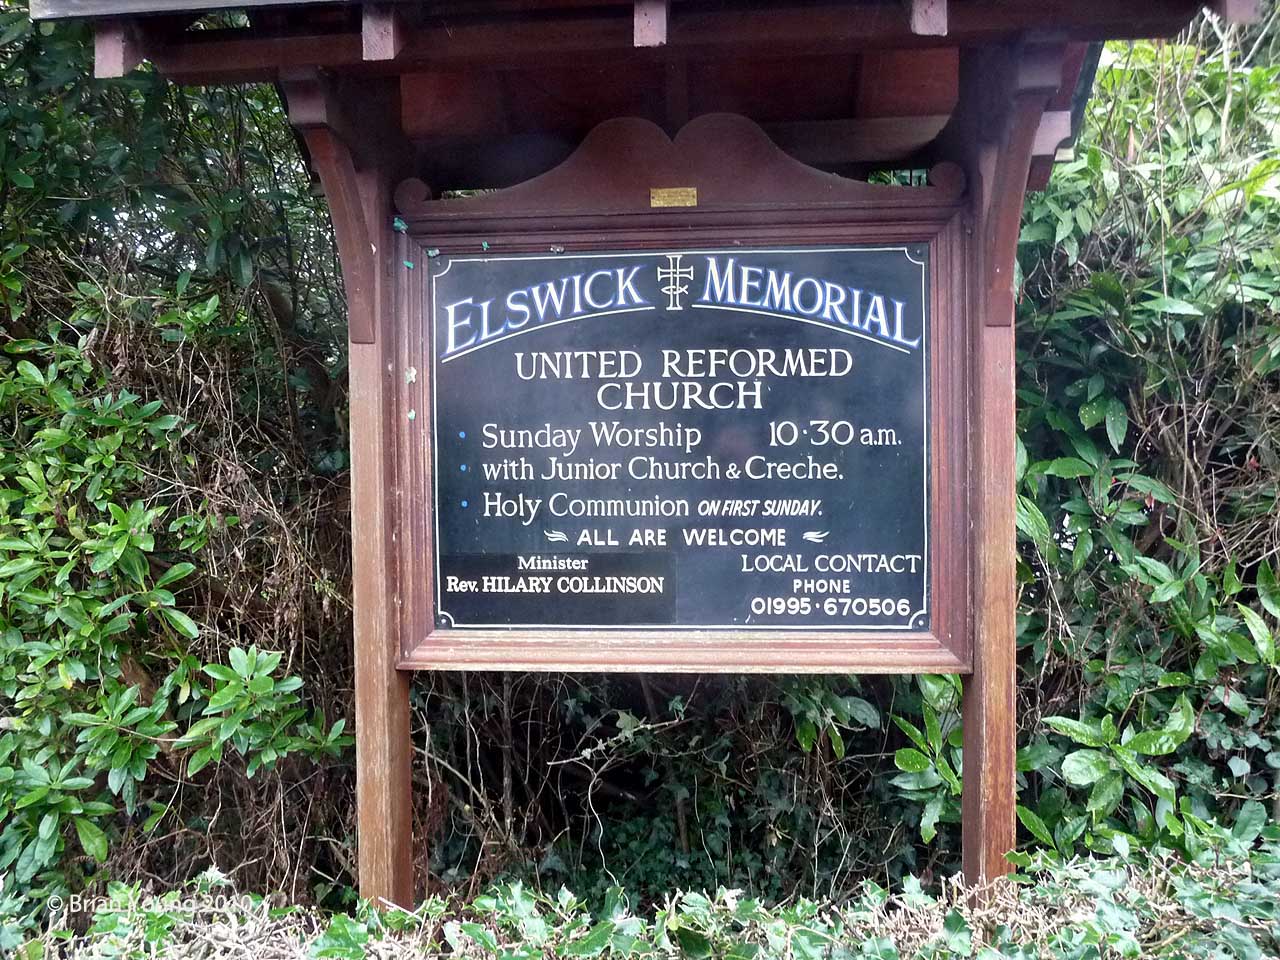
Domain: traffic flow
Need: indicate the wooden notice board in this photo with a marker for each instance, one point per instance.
(710, 445)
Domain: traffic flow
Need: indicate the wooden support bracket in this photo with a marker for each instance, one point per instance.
(313, 112)
(1036, 76)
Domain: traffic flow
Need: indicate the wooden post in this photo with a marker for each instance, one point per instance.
(360, 206)
(384, 749)
(995, 131)
(989, 716)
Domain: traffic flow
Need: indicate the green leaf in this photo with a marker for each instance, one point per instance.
(31, 372)
(930, 816)
(833, 734)
(1167, 591)
(1038, 828)
(92, 839)
(1249, 821)
(1156, 743)
(481, 935)
(181, 622)
(806, 734)
(134, 564)
(1085, 767)
(225, 697)
(262, 685)
(1149, 777)
(912, 731)
(1145, 485)
(1037, 756)
(1117, 424)
(1173, 305)
(117, 624)
(1032, 523)
(911, 760)
(1068, 468)
(1262, 638)
(345, 939)
(199, 760)
(1084, 733)
(1268, 590)
(1081, 552)
(175, 573)
(1093, 412)
(1182, 720)
(862, 712)
(17, 566)
(1106, 795)
(594, 943)
(220, 672)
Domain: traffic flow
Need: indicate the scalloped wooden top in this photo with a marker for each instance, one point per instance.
(727, 159)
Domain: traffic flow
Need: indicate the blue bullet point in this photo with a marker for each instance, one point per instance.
(463, 468)
(464, 504)
(462, 434)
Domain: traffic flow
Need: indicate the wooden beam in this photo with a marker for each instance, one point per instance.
(928, 18)
(116, 49)
(651, 17)
(66, 9)
(462, 104)
(382, 32)
(1237, 11)
(905, 83)
(244, 55)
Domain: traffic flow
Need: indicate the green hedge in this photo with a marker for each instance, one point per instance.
(1219, 908)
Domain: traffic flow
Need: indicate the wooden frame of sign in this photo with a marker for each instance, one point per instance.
(967, 216)
(749, 195)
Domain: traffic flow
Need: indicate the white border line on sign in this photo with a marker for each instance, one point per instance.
(927, 333)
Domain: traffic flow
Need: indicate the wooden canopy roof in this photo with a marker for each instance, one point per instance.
(492, 92)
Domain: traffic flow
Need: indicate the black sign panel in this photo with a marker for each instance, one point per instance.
(701, 439)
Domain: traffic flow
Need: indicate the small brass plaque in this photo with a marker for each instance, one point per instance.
(673, 196)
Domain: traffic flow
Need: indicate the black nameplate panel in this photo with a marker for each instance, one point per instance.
(703, 439)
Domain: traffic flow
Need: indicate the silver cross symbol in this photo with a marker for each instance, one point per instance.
(673, 274)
